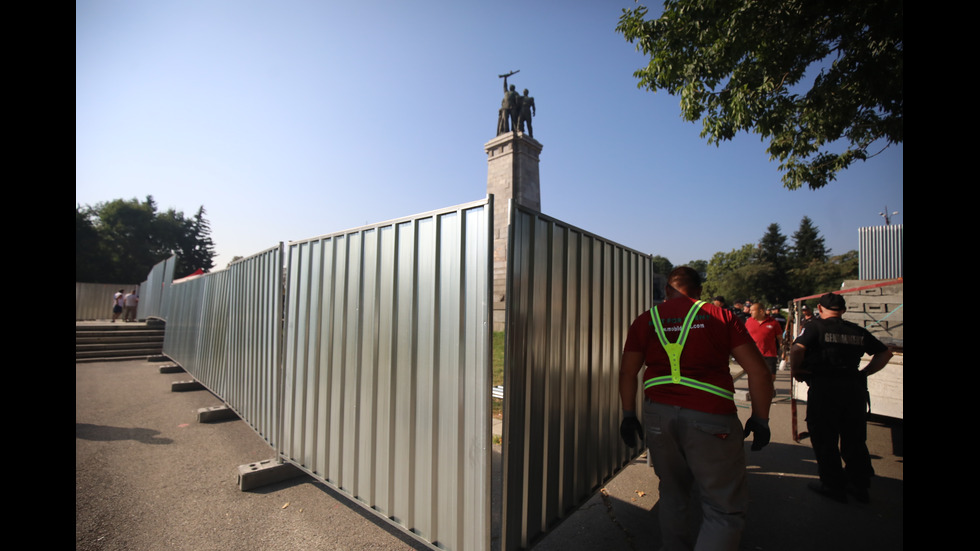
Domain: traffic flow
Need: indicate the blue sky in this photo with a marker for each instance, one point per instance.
(293, 119)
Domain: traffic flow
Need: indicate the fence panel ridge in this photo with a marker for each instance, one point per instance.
(386, 369)
(571, 297)
(154, 290)
(362, 357)
(881, 252)
(253, 332)
(93, 301)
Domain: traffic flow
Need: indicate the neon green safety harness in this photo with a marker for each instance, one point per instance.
(674, 351)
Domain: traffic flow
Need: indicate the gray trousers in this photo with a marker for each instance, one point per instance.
(700, 453)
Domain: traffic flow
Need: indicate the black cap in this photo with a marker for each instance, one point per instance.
(833, 302)
(804, 307)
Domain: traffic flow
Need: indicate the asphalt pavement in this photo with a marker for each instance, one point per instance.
(783, 514)
(148, 476)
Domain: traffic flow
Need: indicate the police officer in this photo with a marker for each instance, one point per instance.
(826, 356)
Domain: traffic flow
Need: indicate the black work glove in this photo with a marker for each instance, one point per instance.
(760, 429)
(630, 428)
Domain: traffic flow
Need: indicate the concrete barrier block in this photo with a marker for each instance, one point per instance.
(170, 368)
(215, 413)
(185, 386)
(263, 473)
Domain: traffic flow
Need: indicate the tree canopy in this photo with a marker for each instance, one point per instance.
(774, 272)
(771, 261)
(736, 276)
(119, 241)
(821, 80)
(661, 265)
(807, 243)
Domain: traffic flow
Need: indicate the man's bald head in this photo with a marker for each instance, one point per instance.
(684, 280)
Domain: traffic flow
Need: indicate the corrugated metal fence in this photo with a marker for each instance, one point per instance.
(387, 370)
(384, 386)
(881, 252)
(153, 290)
(93, 301)
(255, 309)
(570, 300)
(364, 358)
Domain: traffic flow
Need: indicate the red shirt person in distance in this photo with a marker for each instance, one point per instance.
(767, 334)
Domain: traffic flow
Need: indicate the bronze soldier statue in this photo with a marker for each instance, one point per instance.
(527, 110)
(509, 107)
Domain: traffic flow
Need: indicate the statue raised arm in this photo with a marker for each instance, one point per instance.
(509, 107)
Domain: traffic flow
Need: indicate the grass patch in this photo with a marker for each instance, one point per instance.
(498, 358)
(497, 406)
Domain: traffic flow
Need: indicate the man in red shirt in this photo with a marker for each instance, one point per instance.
(767, 334)
(691, 426)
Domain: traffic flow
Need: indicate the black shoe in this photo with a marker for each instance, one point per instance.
(827, 491)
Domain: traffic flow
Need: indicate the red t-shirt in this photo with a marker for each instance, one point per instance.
(765, 333)
(713, 335)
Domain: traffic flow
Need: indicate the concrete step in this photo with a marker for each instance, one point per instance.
(121, 338)
(107, 335)
(118, 347)
(117, 341)
(115, 352)
(109, 359)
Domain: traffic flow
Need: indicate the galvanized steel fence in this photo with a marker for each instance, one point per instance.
(182, 338)
(93, 301)
(255, 309)
(571, 298)
(364, 358)
(881, 252)
(365, 361)
(387, 370)
(224, 328)
(153, 290)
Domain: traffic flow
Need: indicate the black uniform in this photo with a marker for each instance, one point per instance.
(838, 399)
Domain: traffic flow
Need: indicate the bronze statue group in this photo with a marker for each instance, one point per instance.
(515, 110)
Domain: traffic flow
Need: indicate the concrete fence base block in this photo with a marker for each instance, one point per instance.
(263, 473)
(185, 386)
(159, 358)
(215, 413)
(170, 368)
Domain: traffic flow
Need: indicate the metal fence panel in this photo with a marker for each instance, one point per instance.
(185, 304)
(253, 337)
(386, 368)
(571, 297)
(211, 366)
(153, 290)
(93, 301)
(881, 252)
(224, 331)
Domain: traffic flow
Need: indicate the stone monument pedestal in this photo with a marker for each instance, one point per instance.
(512, 173)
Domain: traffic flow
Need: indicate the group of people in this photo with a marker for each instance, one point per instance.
(689, 422)
(124, 305)
(767, 327)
